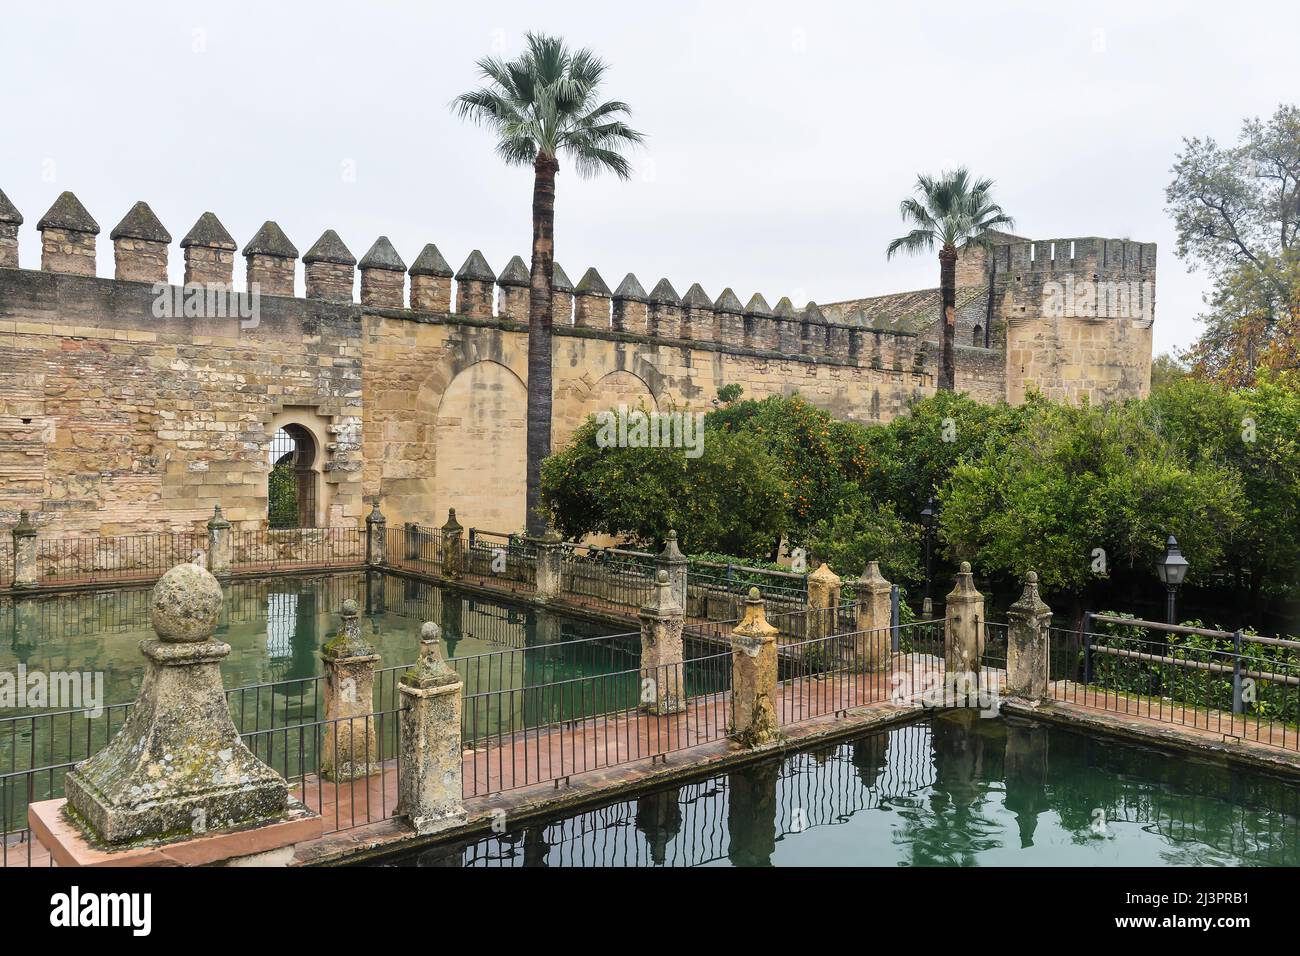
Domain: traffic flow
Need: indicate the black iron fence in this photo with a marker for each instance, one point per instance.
(292, 549)
(1231, 683)
(607, 577)
(128, 557)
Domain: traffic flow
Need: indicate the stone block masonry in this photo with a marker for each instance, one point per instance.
(117, 416)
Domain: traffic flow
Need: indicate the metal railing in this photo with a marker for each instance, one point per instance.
(508, 561)
(607, 577)
(128, 557)
(551, 731)
(1226, 683)
(271, 549)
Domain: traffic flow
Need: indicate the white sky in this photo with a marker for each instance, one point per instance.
(781, 135)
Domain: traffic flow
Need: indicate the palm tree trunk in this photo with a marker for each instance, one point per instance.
(539, 336)
(948, 292)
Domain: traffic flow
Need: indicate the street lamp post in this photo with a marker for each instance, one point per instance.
(927, 518)
(1172, 569)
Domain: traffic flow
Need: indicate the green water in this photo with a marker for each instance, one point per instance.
(949, 791)
(276, 627)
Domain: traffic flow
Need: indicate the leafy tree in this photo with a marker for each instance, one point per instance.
(1166, 369)
(953, 212)
(731, 500)
(1236, 211)
(823, 460)
(541, 105)
(1077, 479)
(1256, 433)
(864, 531)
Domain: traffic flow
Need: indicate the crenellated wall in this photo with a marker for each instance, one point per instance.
(129, 404)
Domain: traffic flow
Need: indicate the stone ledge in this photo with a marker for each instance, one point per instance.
(69, 847)
(1155, 733)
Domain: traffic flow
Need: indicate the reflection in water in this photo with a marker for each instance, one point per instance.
(276, 627)
(950, 790)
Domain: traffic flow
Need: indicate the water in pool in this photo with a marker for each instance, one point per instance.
(276, 627)
(948, 791)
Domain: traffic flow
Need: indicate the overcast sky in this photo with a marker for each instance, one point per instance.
(781, 136)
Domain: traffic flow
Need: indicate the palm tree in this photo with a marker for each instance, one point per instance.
(956, 213)
(543, 104)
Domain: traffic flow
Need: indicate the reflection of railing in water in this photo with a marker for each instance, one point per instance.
(692, 825)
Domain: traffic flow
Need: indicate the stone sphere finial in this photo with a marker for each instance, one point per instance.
(429, 632)
(186, 604)
(350, 608)
(1031, 577)
(965, 567)
(754, 594)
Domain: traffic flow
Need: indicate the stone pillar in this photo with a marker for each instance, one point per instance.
(631, 310)
(209, 253)
(429, 788)
(271, 257)
(550, 557)
(561, 297)
(514, 285)
(665, 312)
(760, 330)
(219, 544)
(753, 677)
(411, 537)
(729, 320)
(10, 220)
(178, 767)
(376, 536)
(1028, 621)
(140, 246)
(350, 748)
(823, 601)
(383, 276)
(873, 642)
(663, 689)
(789, 341)
(670, 559)
(452, 551)
(26, 572)
(68, 234)
(591, 302)
(329, 269)
(697, 315)
(474, 284)
(964, 625)
(430, 281)
(814, 331)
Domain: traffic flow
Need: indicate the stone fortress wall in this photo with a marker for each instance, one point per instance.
(130, 405)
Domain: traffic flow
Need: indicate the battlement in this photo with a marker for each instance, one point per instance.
(1088, 255)
(141, 246)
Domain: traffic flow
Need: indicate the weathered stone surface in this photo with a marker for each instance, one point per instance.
(474, 283)
(824, 587)
(178, 767)
(873, 642)
(430, 281)
(429, 786)
(185, 605)
(662, 679)
(753, 677)
(964, 624)
(350, 745)
(1028, 622)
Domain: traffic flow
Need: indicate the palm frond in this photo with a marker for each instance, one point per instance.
(545, 102)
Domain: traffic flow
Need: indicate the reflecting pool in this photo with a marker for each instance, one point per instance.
(276, 627)
(953, 790)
